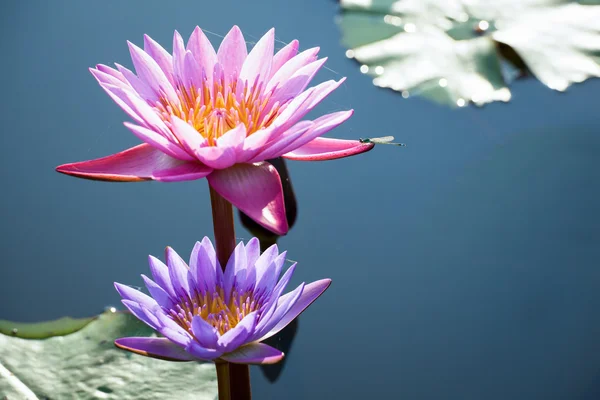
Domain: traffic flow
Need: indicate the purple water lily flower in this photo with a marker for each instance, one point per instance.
(220, 114)
(207, 314)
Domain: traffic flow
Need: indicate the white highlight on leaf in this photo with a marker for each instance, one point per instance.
(18, 386)
(410, 28)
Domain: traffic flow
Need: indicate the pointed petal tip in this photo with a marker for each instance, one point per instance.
(254, 353)
(161, 348)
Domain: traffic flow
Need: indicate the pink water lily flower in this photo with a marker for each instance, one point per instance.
(220, 115)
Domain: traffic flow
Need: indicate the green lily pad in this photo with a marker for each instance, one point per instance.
(86, 365)
(461, 51)
(43, 330)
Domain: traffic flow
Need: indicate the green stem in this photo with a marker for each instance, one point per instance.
(235, 382)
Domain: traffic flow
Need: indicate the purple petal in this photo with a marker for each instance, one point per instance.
(149, 71)
(140, 313)
(161, 348)
(279, 311)
(178, 271)
(270, 307)
(265, 260)
(206, 334)
(232, 53)
(291, 67)
(159, 142)
(158, 293)
(170, 328)
(268, 274)
(235, 271)
(252, 251)
(283, 55)
(160, 273)
(256, 190)
(161, 56)
(254, 353)
(129, 293)
(257, 66)
(202, 352)
(204, 265)
(139, 163)
(310, 293)
(235, 337)
(321, 148)
(204, 53)
(319, 127)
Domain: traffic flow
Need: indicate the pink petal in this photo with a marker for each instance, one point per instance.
(295, 84)
(232, 53)
(110, 71)
(311, 292)
(149, 71)
(275, 147)
(321, 148)
(139, 163)
(303, 104)
(224, 154)
(283, 55)
(158, 141)
(161, 56)
(254, 353)
(144, 90)
(257, 66)
(204, 53)
(290, 67)
(191, 71)
(319, 127)
(161, 348)
(140, 110)
(256, 190)
(122, 102)
(110, 78)
(187, 136)
(178, 58)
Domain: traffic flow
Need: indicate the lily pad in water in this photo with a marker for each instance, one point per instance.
(460, 51)
(86, 365)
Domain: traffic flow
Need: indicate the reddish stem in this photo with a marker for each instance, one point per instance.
(222, 211)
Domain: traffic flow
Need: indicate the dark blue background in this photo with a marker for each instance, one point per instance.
(464, 266)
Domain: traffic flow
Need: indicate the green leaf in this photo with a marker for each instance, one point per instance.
(43, 330)
(87, 365)
(461, 51)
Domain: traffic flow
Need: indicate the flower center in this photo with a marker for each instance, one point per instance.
(213, 112)
(213, 309)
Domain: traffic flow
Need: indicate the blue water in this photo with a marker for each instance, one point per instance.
(464, 266)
